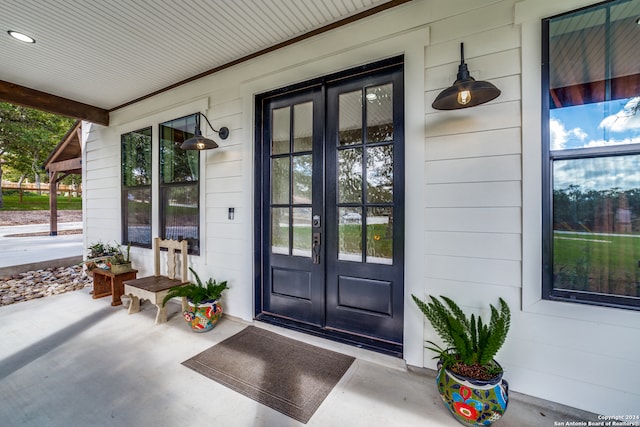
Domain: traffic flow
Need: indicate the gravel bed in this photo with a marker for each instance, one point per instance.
(42, 283)
(45, 282)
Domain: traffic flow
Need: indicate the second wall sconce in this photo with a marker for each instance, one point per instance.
(199, 142)
(465, 91)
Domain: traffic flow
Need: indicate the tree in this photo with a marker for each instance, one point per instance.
(27, 137)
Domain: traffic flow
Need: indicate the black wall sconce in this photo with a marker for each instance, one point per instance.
(465, 91)
(199, 142)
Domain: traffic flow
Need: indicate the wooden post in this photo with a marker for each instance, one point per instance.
(53, 204)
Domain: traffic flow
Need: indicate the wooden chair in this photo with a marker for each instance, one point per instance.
(155, 288)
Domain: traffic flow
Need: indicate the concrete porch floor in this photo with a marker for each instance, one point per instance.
(69, 360)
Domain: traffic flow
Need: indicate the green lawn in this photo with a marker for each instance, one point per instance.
(597, 262)
(35, 202)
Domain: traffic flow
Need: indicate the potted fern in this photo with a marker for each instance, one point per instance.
(469, 379)
(204, 308)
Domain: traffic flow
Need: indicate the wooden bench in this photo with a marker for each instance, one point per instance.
(155, 288)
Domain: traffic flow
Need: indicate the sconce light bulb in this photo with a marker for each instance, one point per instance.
(464, 97)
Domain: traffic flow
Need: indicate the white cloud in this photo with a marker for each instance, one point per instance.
(624, 120)
(599, 173)
(560, 135)
(603, 143)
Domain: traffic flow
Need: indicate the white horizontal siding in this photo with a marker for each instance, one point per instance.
(474, 245)
(474, 144)
(503, 115)
(477, 169)
(476, 194)
(474, 270)
(479, 220)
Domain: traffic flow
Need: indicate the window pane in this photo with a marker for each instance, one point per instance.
(595, 125)
(350, 175)
(380, 174)
(350, 234)
(380, 235)
(280, 231)
(136, 158)
(136, 187)
(181, 214)
(303, 127)
(280, 131)
(138, 217)
(594, 81)
(302, 232)
(176, 164)
(596, 225)
(380, 113)
(350, 118)
(302, 178)
(280, 180)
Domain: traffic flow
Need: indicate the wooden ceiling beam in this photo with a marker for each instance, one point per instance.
(20, 95)
(65, 165)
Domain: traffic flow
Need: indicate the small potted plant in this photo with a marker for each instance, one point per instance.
(469, 380)
(120, 262)
(203, 300)
(98, 255)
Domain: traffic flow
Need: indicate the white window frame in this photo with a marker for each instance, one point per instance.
(529, 14)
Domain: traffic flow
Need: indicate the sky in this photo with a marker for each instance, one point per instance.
(596, 125)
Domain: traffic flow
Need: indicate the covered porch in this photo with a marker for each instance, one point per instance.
(471, 204)
(69, 360)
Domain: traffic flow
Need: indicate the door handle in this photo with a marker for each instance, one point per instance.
(315, 239)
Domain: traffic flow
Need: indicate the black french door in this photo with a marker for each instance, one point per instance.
(329, 213)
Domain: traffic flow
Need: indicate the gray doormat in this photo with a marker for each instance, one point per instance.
(284, 374)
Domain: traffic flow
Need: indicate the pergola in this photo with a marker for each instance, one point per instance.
(65, 160)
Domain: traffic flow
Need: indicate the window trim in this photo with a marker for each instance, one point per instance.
(528, 15)
(548, 156)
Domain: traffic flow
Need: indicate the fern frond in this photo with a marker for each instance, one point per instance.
(457, 312)
(469, 339)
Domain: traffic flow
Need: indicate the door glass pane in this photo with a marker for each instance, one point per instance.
(280, 231)
(350, 175)
(350, 118)
(380, 113)
(380, 174)
(596, 206)
(280, 180)
(280, 131)
(350, 234)
(302, 232)
(380, 235)
(302, 179)
(303, 127)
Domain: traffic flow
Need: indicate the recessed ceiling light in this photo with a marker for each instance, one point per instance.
(22, 37)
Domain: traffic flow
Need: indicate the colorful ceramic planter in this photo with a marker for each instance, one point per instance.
(203, 317)
(473, 402)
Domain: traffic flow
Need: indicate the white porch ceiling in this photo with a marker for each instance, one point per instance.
(106, 53)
